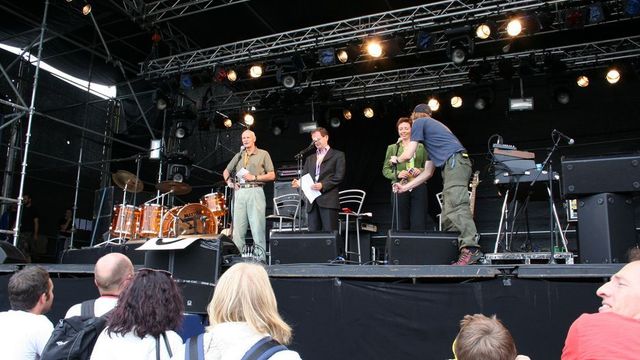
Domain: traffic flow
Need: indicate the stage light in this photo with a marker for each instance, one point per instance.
(574, 18)
(69, 1)
(613, 76)
(255, 71)
(288, 81)
(459, 44)
(486, 29)
(186, 82)
(562, 96)
(434, 104)
(335, 122)
(86, 9)
(424, 40)
(368, 112)
(514, 27)
(343, 56)
(181, 131)
(582, 81)
(232, 75)
(346, 114)
(154, 149)
(456, 102)
(596, 13)
(326, 57)
(374, 48)
(632, 7)
(480, 103)
(227, 123)
(248, 119)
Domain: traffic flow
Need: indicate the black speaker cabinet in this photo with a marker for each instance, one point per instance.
(578, 174)
(10, 254)
(303, 247)
(194, 263)
(422, 248)
(606, 228)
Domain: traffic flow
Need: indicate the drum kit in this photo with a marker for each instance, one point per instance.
(130, 222)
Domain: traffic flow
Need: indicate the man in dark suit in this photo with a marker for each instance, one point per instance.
(326, 167)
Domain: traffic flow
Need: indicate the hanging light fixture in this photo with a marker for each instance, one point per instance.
(434, 104)
(255, 71)
(514, 27)
(456, 101)
(346, 113)
(368, 112)
(613, 76)
(232, 75)
(374, 48)
(86, 9)
(582, 81)
(248, 119)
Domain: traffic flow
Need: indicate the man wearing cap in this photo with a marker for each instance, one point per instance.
(252, 167)
(446, 152)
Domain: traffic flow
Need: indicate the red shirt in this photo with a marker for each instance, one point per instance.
(603, 336)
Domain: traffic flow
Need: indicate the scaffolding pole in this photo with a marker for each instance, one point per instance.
(23, 172)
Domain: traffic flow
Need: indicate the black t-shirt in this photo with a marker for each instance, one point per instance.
(29, 213)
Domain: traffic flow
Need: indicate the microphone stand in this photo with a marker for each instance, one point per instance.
(298, 158)
(395, 211)
(232, 176)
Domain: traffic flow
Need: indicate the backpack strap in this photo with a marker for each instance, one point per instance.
(194, 348)
(263, 349)
(87, 308)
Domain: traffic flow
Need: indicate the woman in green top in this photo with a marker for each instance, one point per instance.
(412, 205)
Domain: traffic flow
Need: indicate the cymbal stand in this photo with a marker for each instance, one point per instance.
(121, 220)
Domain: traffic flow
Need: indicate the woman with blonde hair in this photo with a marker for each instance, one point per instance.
(244, 318)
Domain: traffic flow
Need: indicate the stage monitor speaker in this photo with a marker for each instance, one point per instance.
(578, 174)
(303, 247)
(606, 228)
(422, 248)
(10, 254)
(195, 266)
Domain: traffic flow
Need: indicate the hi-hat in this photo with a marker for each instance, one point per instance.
(179, 188)
(123, 178)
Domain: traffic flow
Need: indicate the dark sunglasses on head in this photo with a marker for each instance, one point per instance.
(149, 270)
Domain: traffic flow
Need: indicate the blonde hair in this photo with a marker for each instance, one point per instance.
(244, 294)
(484, 338)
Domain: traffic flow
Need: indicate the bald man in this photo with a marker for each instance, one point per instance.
(111, 275)
(252, 168)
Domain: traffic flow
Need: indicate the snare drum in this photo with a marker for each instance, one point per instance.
(150, 220)
(215, 202)
(125, 221)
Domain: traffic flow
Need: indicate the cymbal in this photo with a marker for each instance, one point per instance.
(124, 178)
(179, 188)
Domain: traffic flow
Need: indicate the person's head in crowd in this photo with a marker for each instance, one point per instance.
(621, 295)
(112, 273)
(420, 111)
(150, 305)
(633, 254)
(244, 294)
(484, 338)
(31, 290)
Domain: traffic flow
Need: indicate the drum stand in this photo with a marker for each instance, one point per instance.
(121, 220)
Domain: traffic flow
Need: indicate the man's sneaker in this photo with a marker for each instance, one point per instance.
(468, 256)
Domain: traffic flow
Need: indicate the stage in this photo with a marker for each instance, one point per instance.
(403, 311)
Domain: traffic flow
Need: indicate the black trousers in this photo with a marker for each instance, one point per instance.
(322, 219)
(412, 209)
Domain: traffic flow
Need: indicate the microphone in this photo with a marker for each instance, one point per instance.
(399, 141)
(570, 141)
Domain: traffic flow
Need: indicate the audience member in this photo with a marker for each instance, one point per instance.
(612, 333)
(243, 312)
(484, 338)
(24, 330)
(633, 254)
(148, 313)
(112, 274)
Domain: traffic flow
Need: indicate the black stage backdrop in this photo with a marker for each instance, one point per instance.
(356, 319)
(345, 319)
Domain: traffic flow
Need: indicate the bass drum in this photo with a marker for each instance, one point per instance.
(191, 219)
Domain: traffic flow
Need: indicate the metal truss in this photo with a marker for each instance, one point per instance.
(432, 15)
(164, 10)
(434, 77)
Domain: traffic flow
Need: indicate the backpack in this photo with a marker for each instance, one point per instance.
(74, 338)
(262, 350)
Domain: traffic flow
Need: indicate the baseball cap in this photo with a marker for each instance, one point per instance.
(422, 108)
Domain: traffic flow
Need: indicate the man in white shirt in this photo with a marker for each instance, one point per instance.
(112, 274)
(24, 330)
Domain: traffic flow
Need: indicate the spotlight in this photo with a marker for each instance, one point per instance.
(289, 81)
(424, 40)
(485, 30)
(459, 44)
(255, 71)
(456, 102)
(613, 76)
(227, 123)
(343, 56)
(582, 81)
(155, 149)
(186, 82)
(374, 48)
(326, 57)
(248, 119)
(434, 104)
(276, 130)
(562, 96)
(179, 172)
(632, 7)
(514, 27)
(181, 131)
(480, 103)
(346, 114)
(368, 112)
(334, 122)
(161, 101)
(232, 75)
(68, 141)
(69, 1)
(595, 13)
(86, 9)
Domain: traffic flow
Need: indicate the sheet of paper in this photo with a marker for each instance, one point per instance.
(305, 184)
(240, 175)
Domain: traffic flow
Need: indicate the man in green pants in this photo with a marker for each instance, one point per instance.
(446, 152)
(253, 168)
